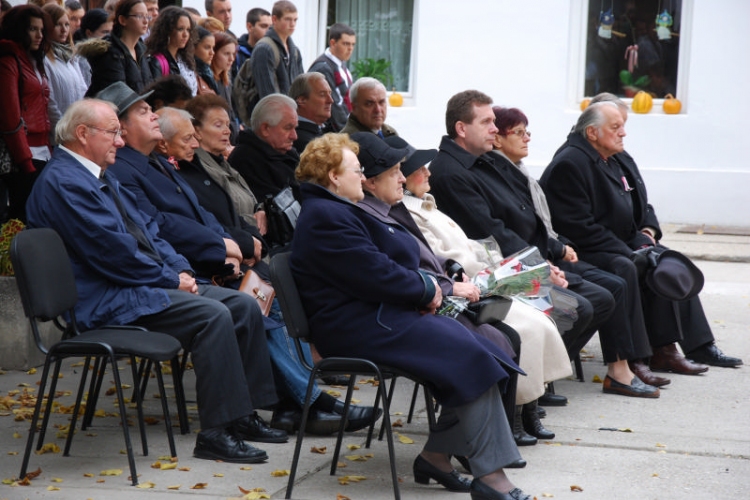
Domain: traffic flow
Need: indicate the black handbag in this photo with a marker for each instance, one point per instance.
(488, 310)
(282, 212)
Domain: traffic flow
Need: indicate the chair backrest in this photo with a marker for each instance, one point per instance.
(44, 275)
(288, 295)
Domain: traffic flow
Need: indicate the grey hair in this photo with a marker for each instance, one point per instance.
(366, 82)
(302, 85)
(270, 110)
(607, 97)
(169, 118)
(592, 116)
(83, 112)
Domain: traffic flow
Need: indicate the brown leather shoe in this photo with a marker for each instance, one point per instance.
(643, 372)
(636, 389)
(669, 359)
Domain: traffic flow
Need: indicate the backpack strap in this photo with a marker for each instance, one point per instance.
(162, 63)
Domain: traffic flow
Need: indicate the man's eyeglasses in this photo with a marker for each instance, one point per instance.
(520, 132)
(141, 17)
(115, 133)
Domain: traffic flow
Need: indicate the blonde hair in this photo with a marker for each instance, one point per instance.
(211, 24)
(322, 155)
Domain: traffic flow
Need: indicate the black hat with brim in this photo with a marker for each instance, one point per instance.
(675, 277)
(415, 159)
(375, 155)
(121, 96)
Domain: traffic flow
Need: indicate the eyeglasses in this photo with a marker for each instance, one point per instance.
(360, 171)
(115, 133)
(520, 132)
(141, 17)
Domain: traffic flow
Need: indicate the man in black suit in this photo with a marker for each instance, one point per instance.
(312, 94)
(598, 199)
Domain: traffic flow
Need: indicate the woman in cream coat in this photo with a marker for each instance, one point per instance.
(543, 354)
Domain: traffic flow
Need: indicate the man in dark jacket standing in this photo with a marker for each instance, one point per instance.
(598, 199)
(314, 103)
(332, 64)
(275, 68)
(257, 22)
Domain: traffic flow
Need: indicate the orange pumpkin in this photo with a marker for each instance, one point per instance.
(671, 105)
(396, 100)
(585, 104)
(642, 102)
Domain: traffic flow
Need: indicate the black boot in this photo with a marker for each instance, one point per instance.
(522, 439)
(532, 424)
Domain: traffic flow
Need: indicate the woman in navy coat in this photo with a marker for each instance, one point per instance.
(365, 297)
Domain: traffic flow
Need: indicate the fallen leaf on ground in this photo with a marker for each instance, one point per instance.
(88, 474)
(342, 497)
(199, 486)
(397, 423)
(56, 480)
(659, 445)
(32, 371)
(12, 453)
(33, 474)
(351, 447)
(351, 479)
(356, 458)
(218, 474)
(335, 394)
(547, 495)
(246, 468)
(174, 487)
(596, 379)
(52, 488)
(184, 469)
(280, 473)
(340, 464)
(405, 440)
(319, 450)
(48, 448)
(146, 485)
(111, 472)
(576, 488)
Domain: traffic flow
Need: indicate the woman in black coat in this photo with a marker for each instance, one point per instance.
(365, 297)
(123, 58)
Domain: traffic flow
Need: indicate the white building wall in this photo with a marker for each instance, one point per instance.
(526, 54)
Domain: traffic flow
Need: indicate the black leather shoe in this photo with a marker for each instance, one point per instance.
(636, 389)
(480, 491)
(359, 416)
(519, 434)
(711, 355)
(532, 424)
(225, 445)
(541, 411)
(253, 428)
(516, 464)
(319, 423)
(452, 481)
(549, 399)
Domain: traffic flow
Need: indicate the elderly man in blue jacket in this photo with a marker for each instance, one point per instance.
(125, 274)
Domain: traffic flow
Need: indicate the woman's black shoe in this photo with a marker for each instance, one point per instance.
(480, 491)
(532, 424)
(519, 435)
(452, 481)
(464, 461)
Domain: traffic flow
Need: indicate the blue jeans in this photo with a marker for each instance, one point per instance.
(292, 375)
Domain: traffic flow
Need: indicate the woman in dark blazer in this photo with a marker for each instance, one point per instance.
(365, 297)
(123, 58)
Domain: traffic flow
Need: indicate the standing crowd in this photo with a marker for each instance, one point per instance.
(157, 144)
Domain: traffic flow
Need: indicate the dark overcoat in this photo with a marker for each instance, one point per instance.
(191, 230)
(264, 169)
(361, 286)
(592, 205)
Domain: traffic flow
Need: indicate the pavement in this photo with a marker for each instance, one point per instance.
(693, 442)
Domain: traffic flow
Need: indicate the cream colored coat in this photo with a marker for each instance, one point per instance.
(543, 354)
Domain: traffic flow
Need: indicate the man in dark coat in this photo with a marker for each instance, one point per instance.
(332, 64)
(369, 109)
(257, 22)
(598, 199)
(127, 275)
(312, 94)
(164, 196)
(265, 154)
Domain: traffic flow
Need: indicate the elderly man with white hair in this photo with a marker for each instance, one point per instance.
(369, 109)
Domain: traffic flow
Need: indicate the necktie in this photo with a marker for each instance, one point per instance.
(144, 244)
(380, 134)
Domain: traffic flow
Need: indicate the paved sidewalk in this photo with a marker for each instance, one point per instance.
(693, 442)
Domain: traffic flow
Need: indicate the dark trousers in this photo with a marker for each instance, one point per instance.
(623, 335)
(223, 330)
(18, 185)
(595, 305)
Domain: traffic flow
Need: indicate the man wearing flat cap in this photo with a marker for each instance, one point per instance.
(168, 200)
(598, 199)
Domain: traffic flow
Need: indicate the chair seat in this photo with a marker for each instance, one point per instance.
(152, 345)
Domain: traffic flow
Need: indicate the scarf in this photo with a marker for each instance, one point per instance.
(62, 51)
(537, 195)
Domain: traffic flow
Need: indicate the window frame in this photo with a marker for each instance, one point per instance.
(577, 56)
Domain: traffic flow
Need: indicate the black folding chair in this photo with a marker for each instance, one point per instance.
(297, 326)
(47, 287)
